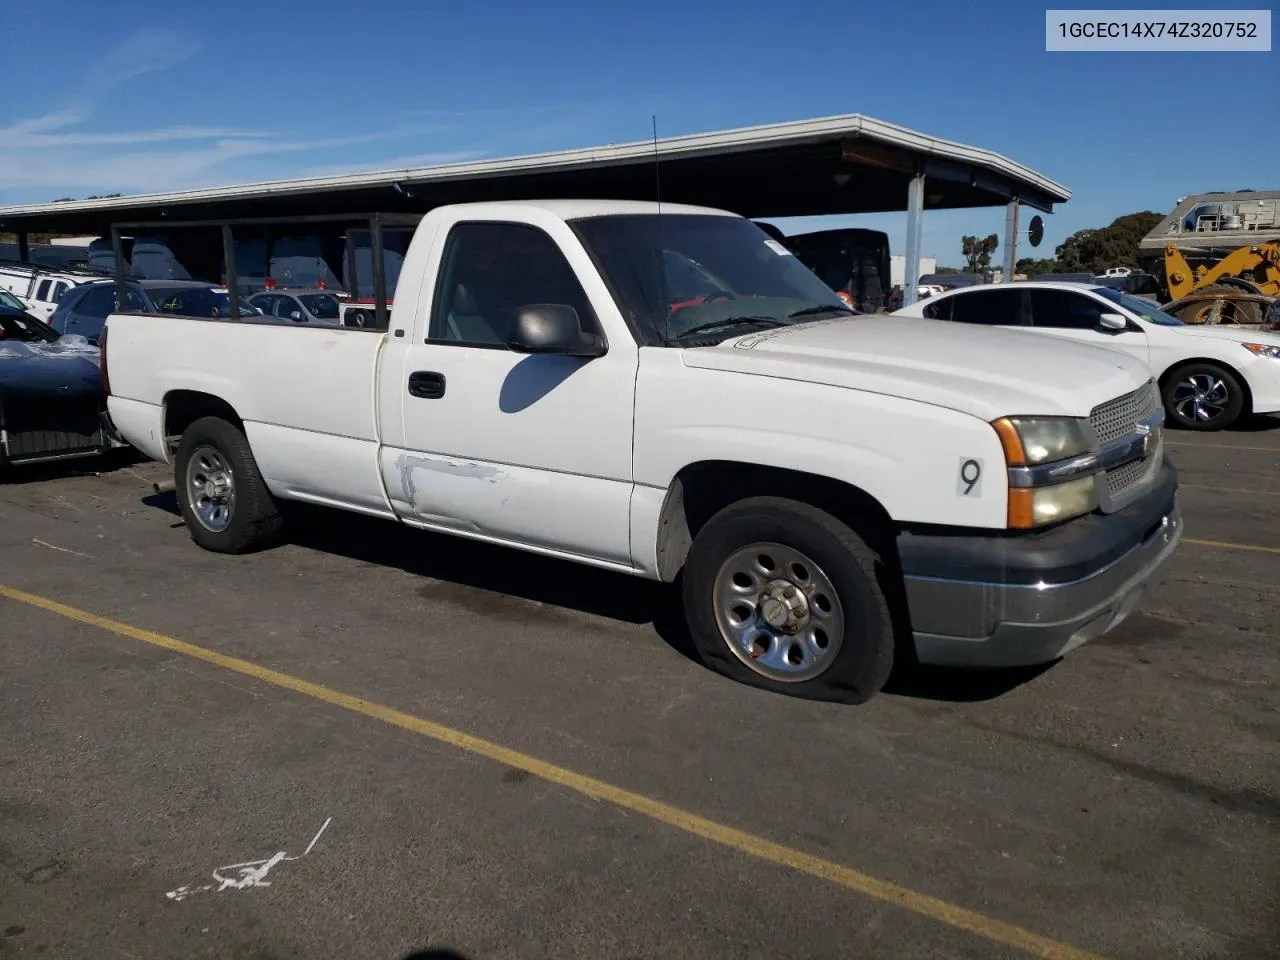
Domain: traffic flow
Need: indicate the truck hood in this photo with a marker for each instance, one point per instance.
(985, 372)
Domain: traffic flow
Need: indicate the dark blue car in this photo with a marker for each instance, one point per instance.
(52, 405)
(84, 309)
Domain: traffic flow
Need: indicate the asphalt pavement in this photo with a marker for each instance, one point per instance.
(375, 743)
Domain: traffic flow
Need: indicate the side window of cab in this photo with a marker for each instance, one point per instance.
(491, 270)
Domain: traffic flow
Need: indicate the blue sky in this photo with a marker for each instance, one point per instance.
(141, 96)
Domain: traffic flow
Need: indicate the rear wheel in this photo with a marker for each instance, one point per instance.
(223, 498)
(783, 596)
(1203, 396)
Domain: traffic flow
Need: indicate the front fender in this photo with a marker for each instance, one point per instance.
(907, 455)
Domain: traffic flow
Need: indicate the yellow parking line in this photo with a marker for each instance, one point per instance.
(1210, 486)
(1220, 446)
(1225, 545)
(940, 910)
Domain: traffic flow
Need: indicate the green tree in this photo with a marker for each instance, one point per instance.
(1116, 245)
(977, 253)
(92, 196)
(1030, 267)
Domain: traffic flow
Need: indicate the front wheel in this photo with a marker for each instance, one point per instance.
(223, 498)
(783, 596)
(1203, 396)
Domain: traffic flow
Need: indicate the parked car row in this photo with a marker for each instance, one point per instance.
(595, 381)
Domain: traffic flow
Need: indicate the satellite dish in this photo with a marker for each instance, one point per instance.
(1035, 232)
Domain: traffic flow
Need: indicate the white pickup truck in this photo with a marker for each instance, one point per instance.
(667, 391)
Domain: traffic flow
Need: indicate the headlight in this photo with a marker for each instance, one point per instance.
(1037, 506)
(1028, 441)
(1263, 350)
(1038, 451)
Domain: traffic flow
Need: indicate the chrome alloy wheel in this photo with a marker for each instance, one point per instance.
(778, 612)
(1201, 397)
(211, 488)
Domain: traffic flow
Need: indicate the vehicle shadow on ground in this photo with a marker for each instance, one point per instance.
(484, 578)
(955, 685)
(109, 462)
(1258, 423)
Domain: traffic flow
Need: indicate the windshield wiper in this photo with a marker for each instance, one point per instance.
(819, 308)
(763, 322)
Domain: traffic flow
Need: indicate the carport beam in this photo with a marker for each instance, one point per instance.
(915, 214)
(1010, 239)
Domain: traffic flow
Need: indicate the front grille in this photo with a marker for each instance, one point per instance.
(1123, 477)
(1120, 417)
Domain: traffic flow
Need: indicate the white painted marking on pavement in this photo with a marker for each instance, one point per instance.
(74, 553)
(242, 876)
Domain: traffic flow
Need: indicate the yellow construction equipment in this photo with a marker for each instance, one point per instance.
(1255, 269)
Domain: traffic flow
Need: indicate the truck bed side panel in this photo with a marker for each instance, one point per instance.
(305, 395)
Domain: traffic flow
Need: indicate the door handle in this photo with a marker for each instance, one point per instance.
(426, 384)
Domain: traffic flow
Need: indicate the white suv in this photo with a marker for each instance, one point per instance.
(39, 289)
(1209, 376)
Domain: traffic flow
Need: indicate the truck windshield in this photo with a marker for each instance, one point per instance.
(680, 276)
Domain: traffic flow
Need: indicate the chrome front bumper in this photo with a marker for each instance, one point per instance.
(993, 624)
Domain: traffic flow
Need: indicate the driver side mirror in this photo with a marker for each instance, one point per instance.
(552, 328)
(1113, 321)
(295, 316)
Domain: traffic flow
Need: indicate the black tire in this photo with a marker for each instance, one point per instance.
(255, 522)
(858, 574)
(1232, 408)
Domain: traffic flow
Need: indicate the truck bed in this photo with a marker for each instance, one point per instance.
(305, 395)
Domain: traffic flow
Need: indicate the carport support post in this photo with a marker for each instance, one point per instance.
(1010, 239)
(353, 281)
(915, 213)
(229, 260)
(379, 278)
(122, 284)
(24, 247)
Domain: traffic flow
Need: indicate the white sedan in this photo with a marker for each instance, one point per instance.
(1209, 376)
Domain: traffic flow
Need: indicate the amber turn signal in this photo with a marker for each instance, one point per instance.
(1014, 455)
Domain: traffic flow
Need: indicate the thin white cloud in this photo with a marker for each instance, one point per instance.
(157, 170)
(26, 136)
(54, 151)
(410, 162)
(63, 151)
(146, 51)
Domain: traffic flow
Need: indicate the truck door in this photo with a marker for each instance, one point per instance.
(531, 449)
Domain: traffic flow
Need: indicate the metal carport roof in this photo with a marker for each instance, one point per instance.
(836, 165)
